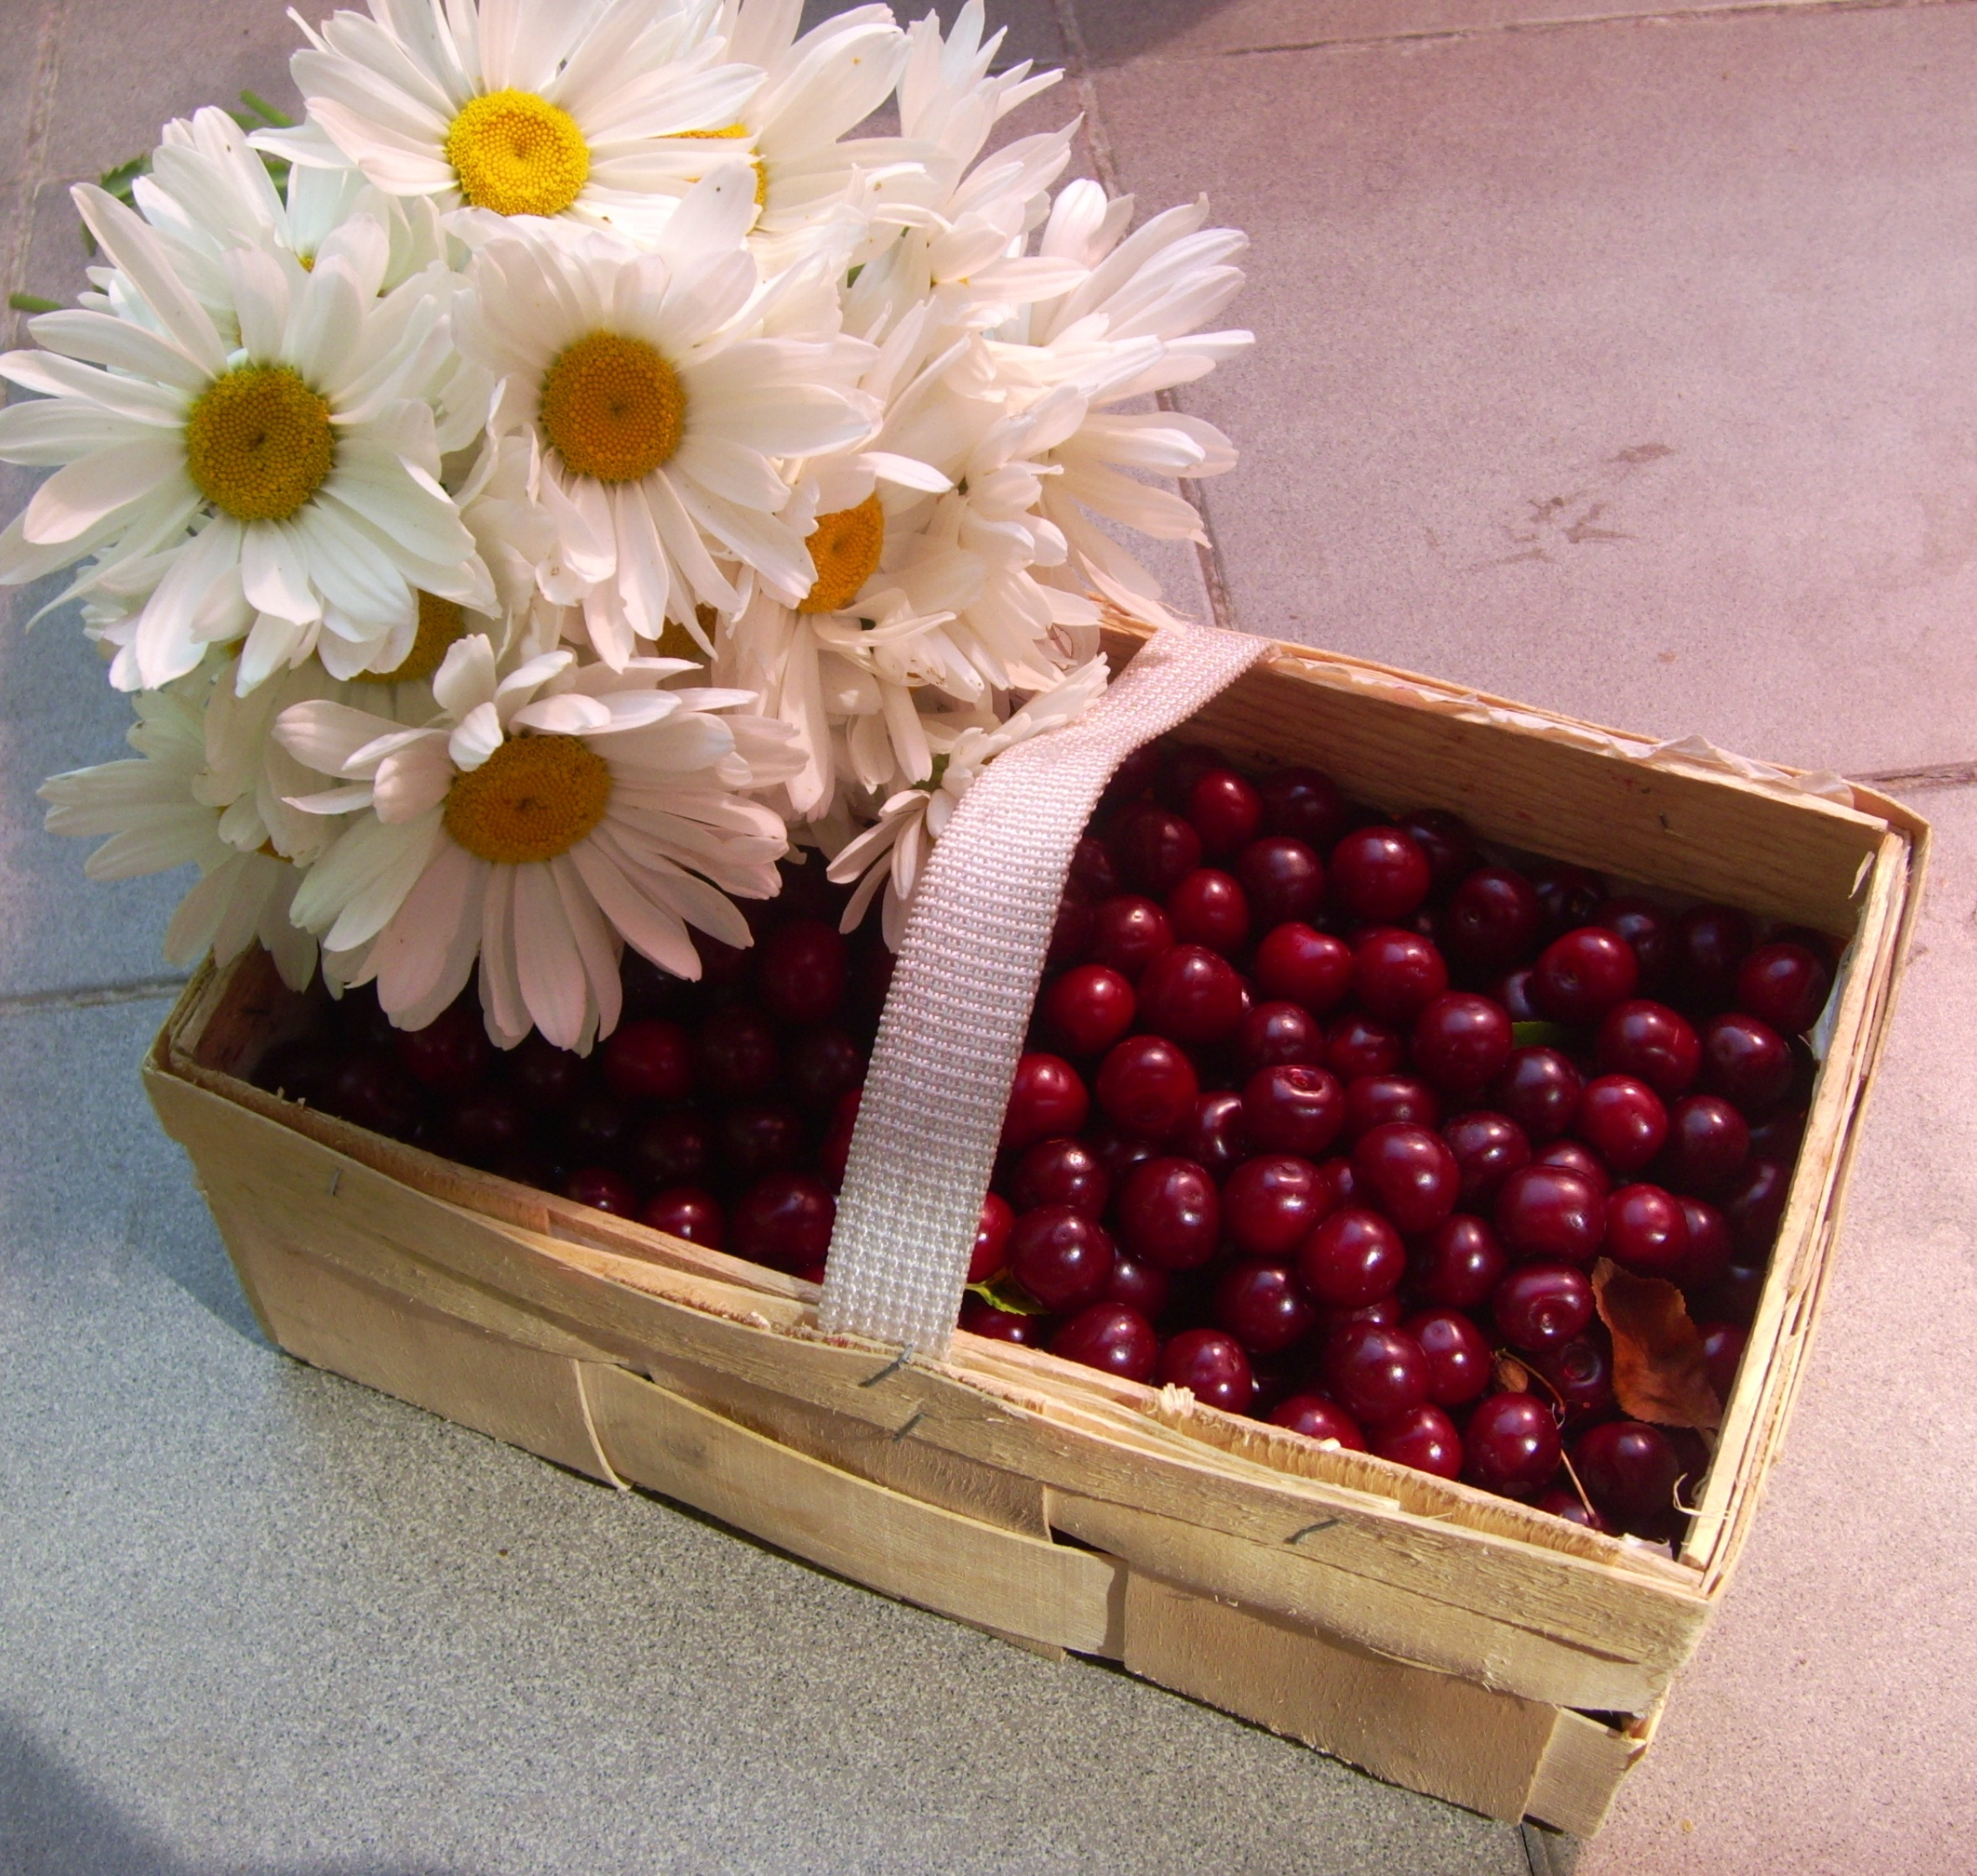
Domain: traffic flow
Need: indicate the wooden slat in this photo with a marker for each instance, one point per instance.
(1579, 1776)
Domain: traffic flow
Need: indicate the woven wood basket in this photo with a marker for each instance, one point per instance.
(1440, 1637)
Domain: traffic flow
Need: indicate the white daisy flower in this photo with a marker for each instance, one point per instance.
(152, 811)
(302, 462)
(658, 418)
(891, 853)
(545, 108)
(542, 822)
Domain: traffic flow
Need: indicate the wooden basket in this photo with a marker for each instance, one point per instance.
(1440, 1637)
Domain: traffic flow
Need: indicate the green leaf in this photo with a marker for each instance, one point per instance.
(1002, 1292)
(851, 278)
(33, 302)
(268, 113)
(1539, 1035)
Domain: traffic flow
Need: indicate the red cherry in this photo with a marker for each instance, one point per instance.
(1710, 942)
(871, 974)
(1153, 849)
(1722, 1351)
(487, 1127)
(1169, 1214)
(980, 1318)
(600, 1187)
(1580, 976)
(1320, 1419)
(1118, 1151)
(1284, 878)
(1569, 895)
(1511, 1445)
(1112, 1338)
(1192, 996)
(1487, 1148)
(1629, 1470)
(1372, 1100)
(452, 1054)
(1216, 1134)
(1140, 1286)
(834, 1155)
(1128, 933)
(1622, 1120)
(784, 1221)
(1493, 919)
(1093, 876)
(1458, 1354)
(1734, 1295)
(1046, 1099)
(1148, 1086)
(1295, 1109)
(824, 1064)
(1514, 989)
(1575, 1156)
(991, 1238)
(687, 1211)
(802, 969)
(1302, 965)
(1336, 1185)
(1745, 1061)
(1459, 1263)
(1446, 841)
(370, 1090)
(1647, 929)
(1276, 1033)
(1779, 1136)
(1264, 1307)
(1653, 1043)
(1711, 1248)
(1224, 809)
(1423, 1437)
(1070, 934)
(1060, 1171)
(1090, 1008)
(1209, 908)
(1407, 1172)
(1551, 1212)
(1352, 1259)
(1062, 1257)
(756, 1138)
(1375, 1373)
(1385, 1312)
(297, 1070)
(1398, 973)
(1582, 1376)
(1212, 1365)
(1540, 1306)
(1567, 1505)
(1647, 1233)
(1270, 1203)
(675, 1149)
(1304, 803)
(1754, 1202)
(1379, 873)
(595, 1131)
(1539, 1089)
(735, 1056)
(1461, 1042)
(1785, 985)
(1357, 1045)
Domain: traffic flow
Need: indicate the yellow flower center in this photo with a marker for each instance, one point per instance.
(676, 641)
(760, 167)
(844, 550)
(613, 407)
(535, 797)
(441, 621)
(258, 442)
(518, 154)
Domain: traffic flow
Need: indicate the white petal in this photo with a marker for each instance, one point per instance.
(91, 489)
(547, 963)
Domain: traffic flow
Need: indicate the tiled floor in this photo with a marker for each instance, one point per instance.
(1623, 363)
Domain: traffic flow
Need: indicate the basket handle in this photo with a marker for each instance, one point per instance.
(929, 1118)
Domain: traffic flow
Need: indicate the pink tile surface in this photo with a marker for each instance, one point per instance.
(1828, 1724)
(1623, 367)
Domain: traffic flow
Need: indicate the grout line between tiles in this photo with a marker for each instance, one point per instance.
(41, 103)
(92, 996)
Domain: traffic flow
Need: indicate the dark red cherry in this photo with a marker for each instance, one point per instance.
(1784, 984)
(722, 966)
(1493, 919)
(687, 1211)
(1723, 1345)
(871, 974)
(1320, 1419)
(1284, 878)
(1539, 1089)
(1070, 932)
(1181, 765)
(1779, 1136)
(784, 1221)
(1118, 1150)
(1561, 1502)
(1140, 1286)
(1653, 1043)
(1581, 1375)
(1224, 809)
(1647, 1233)
(834, 1154)
(1575, 1156)
(1386, 1312)
(1153, 849)
(1569, 895)
(1353, 1258)
(1148, 1084)
(1372, 1100)
(1216, 1134)
(823, 1063)
(1294, 1108)
(1336, 1185)
(1060, 1171)
(452, 1054)
(801, 970)
(1209, 908)
(1408, 1173)
(1307, 805)
(1047, 1098)
(1745, 1061)
(1514, 989)
(1398, 973)
(1734, 1295)
(1487, 1148)
(736, 1055)
(1446, 841)
(1423, 1437)
(1062, 1257)
(1580, 976)
(1134, 777)
(596, 1130)
(487, 1127)
(1112, 1338)
(1169, 1214)
(1090, 1008)
(299, 1069)
(1128, 933)
(1378, 874)
(1711, 1249)
(1629, 1472)
(1356, 1044)
(756, 1138)
(1511, 1446)
(608, 1190)
(981, 1318)
(1648, 929)
(1212, 1365)
(675, 1149)
(1458, 1355)
(1540, 1306)
(1276, 1033)
(1375, 1373)
(1461, 1042)
(1754, 1203)
(1302, 965)
(1551, 1212)
(1458, 1264)
(1270, 1203)
(1093, 876)
(371, 1090)
(1192, 996)
(991, 1238)
(1622, 1120)
(1263, 1306)
(1710, 942)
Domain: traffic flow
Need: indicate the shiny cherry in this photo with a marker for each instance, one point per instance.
(1569, 895)
(1488, 1148)
(1216, 1134)
(1458, 1355)
(1378, 873)
(1754, 1203)
(1576, 1157)
(1192, 996)
(1408, 1173)
(1375, 1373)
(1648, 929)
(1070, 934)
(1118, 1150)
(1583, 975)
(1224, 809)
(801, 971)
(1511, 1446)
(687, 1211)
(1581, 1373)
(1293, 1109)
(834, 1151)
(1212, 1365)
(1458, 1264)
(1539, 1089)
(546, 1077)
(608, 1190)
(1128, 933)
(1651, 1042)
(674, 1149)
(452, 1054)
(1264, 1306)
(1274, 1033)
(1169, 1214)
(1493, 919)
(1148, 1084)
(1153, 849)
(1551, 1212)
(1734, 1296)
(1711, 1248)
(736, 1055)
(596, 1130)
(1398, 973)
(1060, 1171)
(1539, 1305)
(1513, 990)
(1710, 944)
(1622, 1120)
(1629, 1470)
(1778, 1136)
(1723, 1345)
(1284, 878)
(1372, 1100)
(1353, 1258)
(1358, 1045)
(1047, 1098)
(1745, 1061)
(1302, 965)
(1461, 1042)
(1320, 1419)
(1423, 1437)
(1093, 876)
(1140, 1286)
(1061, 1257)
(1209, 908)
(1181, 765)
(982, 1318)
(991, 1238)
(1090, 1008)
(1270, 1202)
(1647, 1233)
(1446, 841)
(487, 1127)
(822, 1065)
(754, 1139)
(1304, 803)
(1562, 1503)
(1784, 984)
(784, 1221)
(1111, 1337)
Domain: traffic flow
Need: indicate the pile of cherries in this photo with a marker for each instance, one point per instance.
(1321, 1117)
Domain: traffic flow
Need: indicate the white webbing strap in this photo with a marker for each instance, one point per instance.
(967, 973)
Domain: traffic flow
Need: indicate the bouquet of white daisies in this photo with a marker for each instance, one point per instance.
(593, 468)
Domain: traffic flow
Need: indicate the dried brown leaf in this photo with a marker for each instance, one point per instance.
(1659, 1372)
(1512, 1377)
